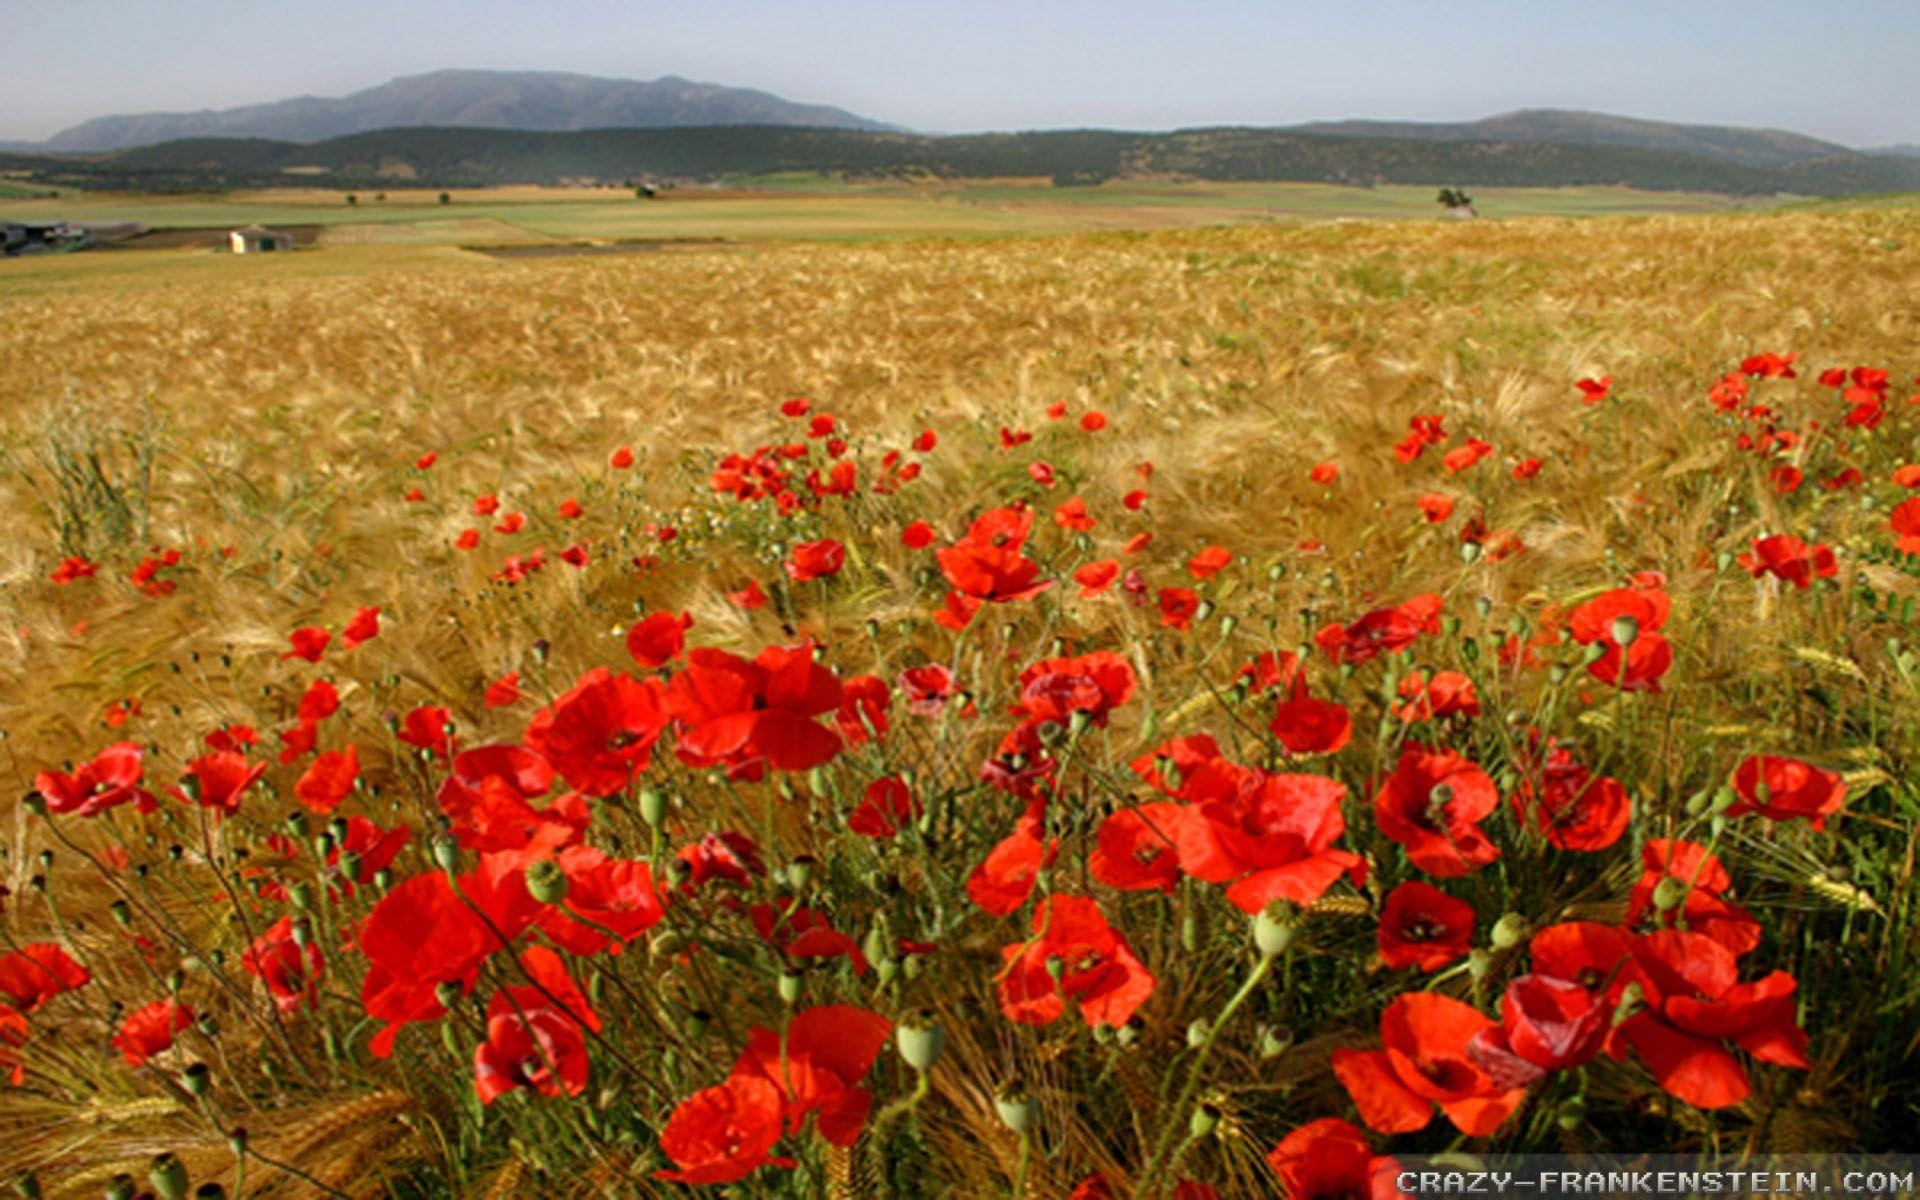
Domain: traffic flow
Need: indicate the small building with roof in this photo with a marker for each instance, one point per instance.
(257, 239)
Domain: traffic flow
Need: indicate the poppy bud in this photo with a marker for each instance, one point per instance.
(383, 879)
(541, 648)
(301, 894)
(546, 882)
(1625, 630)
(1556, 673)
(653, 806)
(169, 1177)
(1479, 963)
(800, 871)
(121, 1187)
(1189, 931)
(886, 970)
(1483, 607)
(1056, 967)
(210, 1191)
(874, 945)
(1015, 1108)
(1509, 931)
(176, 979)
(1197, 1033)
(909, 966)
(1205, 1119)
(446, 852)
(1273, 930)
(302, 931)
(1725, 797)
(208, 1026)
(1572, 1114)
(28, 1185)
(1204, 611)
(1470, 552)
(1596, 651)
(790, 986)
(1669, 894)
(697, 1022)
(1724, 560)
(1633, 999)
(447, 993)
(1129, 1034)
(122, 913)
(819, 782)
(197, 1079)
(34, 803)
(920, 1040)
(1275, 1042)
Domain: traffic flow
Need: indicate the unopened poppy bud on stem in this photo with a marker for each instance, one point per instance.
(121, 1187)
(197, 1079)
(1626, 630)
(1509, 931)
(653, 806)
(1205, 1119)
(790, 986)
(446, 852)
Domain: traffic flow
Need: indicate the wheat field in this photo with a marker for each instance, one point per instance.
(268, 423)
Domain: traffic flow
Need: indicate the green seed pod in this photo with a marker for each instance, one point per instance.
(27, 1184)
(121, 1187)
(1273, 930)
(122, 913)
(697, 1023)
(1509, 931)
(169, 1177)
(886, 970)
(1274, 1042)
(1015, 1108)
(790, 980)
(920, 1040)
(1205, 1119)
(447, 993)
(1572, 1114)
(1479, 963)
(800, 871)
(1625, 630)
(546, 882)
(446, 852)
(653, 806)
(197, 1079)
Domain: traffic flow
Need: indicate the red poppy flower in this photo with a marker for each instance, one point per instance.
(1100, 973)
(320, 701)
(1090, 685)
(1326, 472)
(503, 691)
(218, 780)
(1269, 837)
(1593, 391)
(957, 611)
(363, 627)
(1073, 515)
(1626, 623)
(1425, 1063)
(927, 689)
(724, 1134)
(727, 857)
(72, 568)
(1573, 807)
(864, 701)
(658, 638)
(917, 536)
(1436, 697)
(372, 848)
(1003, 880)
(1137, 849)
(1093, 420)
(1178, 607)
(1705, 880)
(749, 597)
(753, 714)
(1546, 1024)
(1526, 468)
(1209, 562)
(1461, 457)
(309, 643)
(1784, 788)
(815, 560)
(987, 564)
(107, 781)
(1422, 431)
(535, 1034)
(1273, 670)
(1435, 507)
(1382, 631)
(817, 1067)
(1329, 1159)
(1432, 804)
(1421, 926)
(36, 973)
(422, 934)
(600, 733)
(1695, 1002)
(328, 780)
(1096, 577)
(887, 807)
(1769, 366)
(1788, 558)
(149, 1029)
(290, 971)
(468, 539)
(1308, 726)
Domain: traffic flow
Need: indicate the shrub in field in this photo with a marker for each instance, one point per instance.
(1017, 847)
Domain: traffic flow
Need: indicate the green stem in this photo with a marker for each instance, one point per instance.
(1162, 1160)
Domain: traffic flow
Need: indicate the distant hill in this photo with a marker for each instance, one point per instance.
(1566, 127)
(1905, 150)
(445, 157)
(523, 100)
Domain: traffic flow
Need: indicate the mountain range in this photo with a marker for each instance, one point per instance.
(455, 128)
(544, 101)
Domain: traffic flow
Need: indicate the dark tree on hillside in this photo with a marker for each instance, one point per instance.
(445, 198)
(352, 199)
(1452, 197)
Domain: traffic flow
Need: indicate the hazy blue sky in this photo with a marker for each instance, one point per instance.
(1844, 70)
